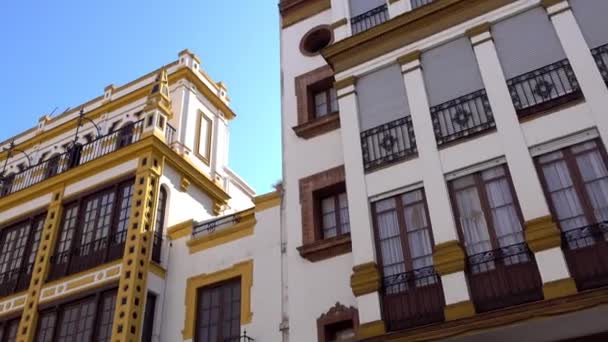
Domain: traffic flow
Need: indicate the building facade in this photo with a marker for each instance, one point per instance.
(120, 220)
(445, 169)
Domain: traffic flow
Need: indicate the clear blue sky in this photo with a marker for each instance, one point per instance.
(63, 53)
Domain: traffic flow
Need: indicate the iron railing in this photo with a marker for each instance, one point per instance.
(369, 19)
(600, 54)
(544, 88)
(388, 143)
(242, 338)
(209, 227)
(16, 280)
(463, 117)
(78, 154)
(420, 3)
(503, 277)
(412, 299)
(170, 134)
(586, 251)
(157, 245)
(88, 255)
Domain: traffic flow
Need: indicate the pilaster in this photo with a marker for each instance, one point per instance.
(130, 301)
(29, 318)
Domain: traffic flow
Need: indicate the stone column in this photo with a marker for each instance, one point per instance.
(448, 255)
(365, 280)
(542, 234)
(29, 317)
(579, 54)
(340, 24)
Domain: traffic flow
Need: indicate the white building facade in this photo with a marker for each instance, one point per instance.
(445, 169)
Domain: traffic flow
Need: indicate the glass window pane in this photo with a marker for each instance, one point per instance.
(321, 104)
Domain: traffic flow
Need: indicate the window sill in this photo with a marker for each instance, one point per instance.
(318, 126)
(325, 249)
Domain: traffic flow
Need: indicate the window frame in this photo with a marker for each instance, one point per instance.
(334, 192)
(325, 87)
(206, 156)
(480, 187)
(222, 286)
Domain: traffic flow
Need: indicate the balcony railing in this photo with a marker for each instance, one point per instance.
(412, 299)
(209, 227)
(88, 255)
(77, 155)
(157, 245)
(369, 19)
(242, 338)
(462, 117)
(15, 280)
(420, 3)
(504, 277)
(601, 58)
(388, 143)
(586, 251)
(545, 88)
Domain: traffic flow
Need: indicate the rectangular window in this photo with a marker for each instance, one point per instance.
(334, 214)
(93, 230)
(86, 320)
(218, 317)
(148, 327)
(204, 134)
(326, 102)
(488, 215)
(8, 330)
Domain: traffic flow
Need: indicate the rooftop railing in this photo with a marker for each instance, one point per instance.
(503, 277)
(369, 19)
(463, 117)
(388, 143)
(586, 251)
(544, 88)
(208, 227)
(600, 54)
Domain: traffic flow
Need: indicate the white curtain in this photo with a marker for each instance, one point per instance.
(418, 234)
(595, 176)
(389, 236)
(328, 211)
(472, 221)
(344, 220)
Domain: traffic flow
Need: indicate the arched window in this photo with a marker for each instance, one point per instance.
(159, 225)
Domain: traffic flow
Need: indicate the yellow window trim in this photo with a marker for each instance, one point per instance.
(157, 270)
(180, 230)
(244, 270)
(225, 235)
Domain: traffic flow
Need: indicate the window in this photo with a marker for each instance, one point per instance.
(326, 102)
(160, 222)
(218, 316)
(403, 233)
(18, 248)
(203, 142)
(487, 214)
(8, 330)
(147, 330)
(334, 214)
(338, 324)
(93, 230)
(86, 320)
(576, 181)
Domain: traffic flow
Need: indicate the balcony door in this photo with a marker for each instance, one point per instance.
(411, 291)
(501, 270)
(575, 180)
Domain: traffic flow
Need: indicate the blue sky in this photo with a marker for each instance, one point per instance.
(63, 53)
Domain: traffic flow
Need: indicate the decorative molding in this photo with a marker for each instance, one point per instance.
(405, 29)
(13, 303)
(448, 257)
(339, 23)
(542, 233)
(336, 314)
(410, 57)
(479, 29)
(184, 183)
(222, 236)
(316, 127)
(459, 310)
(244, 270)
(294, 11)
(365, 279)
(180, 230)
(267, 201)
(326, 248)
(346, 82)
(371, 329)
(158, 270)
(559, 288)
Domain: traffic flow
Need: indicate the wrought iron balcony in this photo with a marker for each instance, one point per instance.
(420, 3)
(15, 280)
(242, 338)
(462, 117)
(369, 19)
(157, 245)
(88, 255)
(388, 143)
(78, 154)
(545, 88)
(586, 251)
(601, 58)
(503, 277)
(206, 228)
(412, 299)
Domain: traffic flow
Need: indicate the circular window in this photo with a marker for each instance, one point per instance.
(316, 39)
